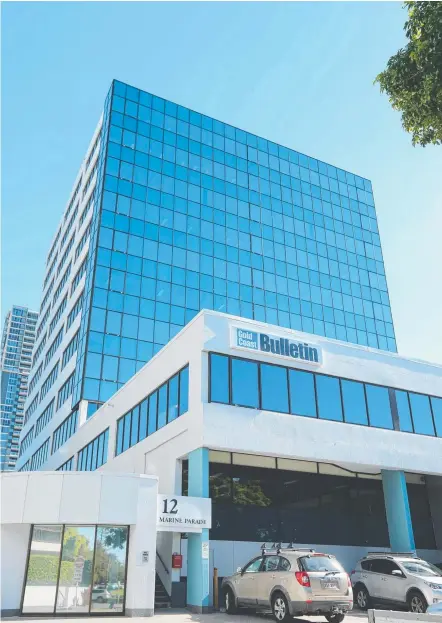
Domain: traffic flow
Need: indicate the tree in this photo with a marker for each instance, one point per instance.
(413, 77)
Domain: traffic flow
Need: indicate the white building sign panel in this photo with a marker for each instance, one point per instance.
(279, 346)
(183, 514)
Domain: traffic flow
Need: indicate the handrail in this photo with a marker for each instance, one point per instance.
(162, 562)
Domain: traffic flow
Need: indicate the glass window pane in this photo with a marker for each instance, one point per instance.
(274, 390)
(184, 390)
(172, 411)
(403, 407)
(162, 406)
(436, 404)
(421, 412)
(379, 409)
(74, 586)
(126, 440)
(302, 393)
(329, 398)
(135, 425)
(153, 401)
(219, 378)
(245, 383)
(142, 434)
(109, 569)
(353, 398)
(44, 560)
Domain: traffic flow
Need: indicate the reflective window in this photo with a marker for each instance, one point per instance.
(202, 215)
(379, 409)
(404, 412)
(94, 454)
(76, 570)
(173, 408)
(162, 406)
(302, 393)
(42, 572)
(74, 587)
(245, 383)
(158, 409)
(219, 378)
(436, 405)
(353, 397)
(274, 389)
(109, 586)
(329, 398)
(421, 413)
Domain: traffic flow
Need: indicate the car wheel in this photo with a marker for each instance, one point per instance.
(229, 601)
(361, 598)
(335, 618)
(100, 600)
(417, 602)
(280, 608)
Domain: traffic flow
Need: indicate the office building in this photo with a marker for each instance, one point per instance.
(16, 356)
(290, 382)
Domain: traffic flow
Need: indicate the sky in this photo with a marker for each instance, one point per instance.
(297, 73)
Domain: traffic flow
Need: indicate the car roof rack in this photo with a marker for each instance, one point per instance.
(277, 548)
(392, 554)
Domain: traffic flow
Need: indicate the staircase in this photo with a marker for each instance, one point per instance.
(162, 599)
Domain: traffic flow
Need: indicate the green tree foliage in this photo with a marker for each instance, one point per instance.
(413, 77)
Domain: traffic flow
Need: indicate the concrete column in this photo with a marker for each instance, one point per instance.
(140, 596)
(198, 544)
(397, 508)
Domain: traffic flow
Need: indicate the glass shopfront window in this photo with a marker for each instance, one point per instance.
(76, 570)
(43, 569)
(316, 507)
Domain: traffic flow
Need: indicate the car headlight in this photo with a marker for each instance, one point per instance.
(436, 587)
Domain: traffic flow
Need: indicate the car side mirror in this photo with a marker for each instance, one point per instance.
(239, 570)
(397, 572)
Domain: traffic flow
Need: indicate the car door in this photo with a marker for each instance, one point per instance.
(392, 586)
(373, 582)
(269, 576)
(246, 583)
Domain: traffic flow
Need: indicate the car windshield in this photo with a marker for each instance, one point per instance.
(420, 567)
(320, 563)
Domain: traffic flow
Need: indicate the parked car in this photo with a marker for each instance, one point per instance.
(100, 595)
(290, 582)
(396, 579)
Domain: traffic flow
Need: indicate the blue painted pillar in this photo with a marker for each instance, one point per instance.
(397, 507)
(198, 544)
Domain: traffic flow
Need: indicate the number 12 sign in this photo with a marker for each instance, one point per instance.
(183, 514)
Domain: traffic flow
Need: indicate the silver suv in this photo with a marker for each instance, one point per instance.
(396, 579)
(291, 582)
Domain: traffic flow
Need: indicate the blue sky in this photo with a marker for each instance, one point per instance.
(300, 74)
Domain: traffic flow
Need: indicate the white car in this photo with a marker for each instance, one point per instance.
(396, 579)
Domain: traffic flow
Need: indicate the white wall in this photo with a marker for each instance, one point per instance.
(237, 429)
(81, 498)
(14, 549)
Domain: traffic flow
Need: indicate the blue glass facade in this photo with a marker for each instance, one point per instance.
(192, 213)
